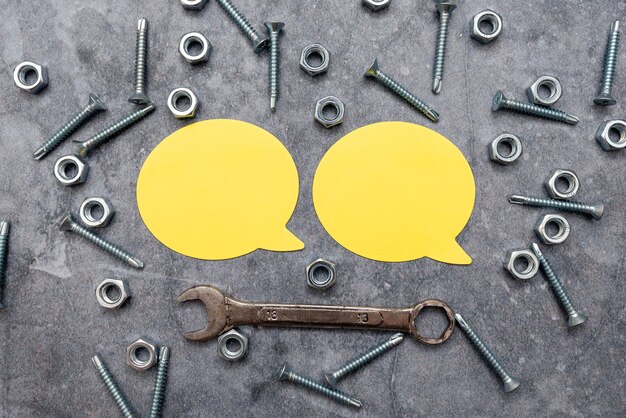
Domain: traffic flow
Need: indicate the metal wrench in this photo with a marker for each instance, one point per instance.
(225, 312)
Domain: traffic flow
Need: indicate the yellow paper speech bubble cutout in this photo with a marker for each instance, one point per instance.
(219, 189)
(395, 191)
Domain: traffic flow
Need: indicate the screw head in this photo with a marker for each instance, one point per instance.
(511, 384)
(576, 319)
(281, 375)
(274, 26)
(498, 99)
(445, 7)
(262, 45)
(67, 223)
(373, 70)
(96, 102)
(598, 211)
(330, 378)
(604, 99)
(139, 99)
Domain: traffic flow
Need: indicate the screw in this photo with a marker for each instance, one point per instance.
(140, 97)
(573, 318)
(160, 382)
(510, 383)
(4, 245)
(356, 363)
(501, 102)
(605, 98)
(240, 20)
(285, 373)
(94, 106)
(69, 224)
(108, 380)
(595, 211)
(394, 86)
(445, 10)
(274, 29)
(83, 148)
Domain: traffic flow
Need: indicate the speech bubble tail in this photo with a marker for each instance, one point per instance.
(451, 253)
(282, 240)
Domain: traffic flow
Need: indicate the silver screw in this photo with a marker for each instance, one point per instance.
(501, 102)
(605, 98)
(259, 42)
(356, 363)
(595, 211)
(141, 50)
(4, 246)
(108, 380)
(285, 373)
(94, 106)
(274, 29)
(573, 318)
(510, 383)
(445, 10)
(375, 72)
(69, 224)
(160, 383)
(83, 148)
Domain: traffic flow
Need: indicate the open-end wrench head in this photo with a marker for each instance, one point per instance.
(432, 303)
(215, 303)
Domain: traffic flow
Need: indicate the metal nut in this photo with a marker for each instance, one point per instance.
(180, 112)
(191, 38)
(239, 339)
(193, 4)
(106, 301)
(329, 103)
(569, 178)
(134, 357)
(498, 155)
(490, 18)
(87, 212)
(609, 128)
(305, 60)
(562, 233)
(528, 271)
(20, 77)
(321, 274)
(552, 84)
(64, 170)
(376, 5)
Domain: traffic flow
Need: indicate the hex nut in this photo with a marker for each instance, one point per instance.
(225, 352)
(603, 136)
(504, 139)
(87, 212)
(193, 4)
(22, 70)
(333, 103)
(321, 274)
(542, 229)
(529, 271)
(552, 84)
(133, 359)
(178, 112)
(103, 297)
(305, 60)
(491, 18)
(376, 5)
(569, 177)
(63, 167)
(190, 38)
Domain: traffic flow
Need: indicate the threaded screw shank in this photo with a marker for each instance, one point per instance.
(4, 250)
(160, 383)
(141, 53)
(108, 380)
(595, 211)
(242, 23)
(445, 10)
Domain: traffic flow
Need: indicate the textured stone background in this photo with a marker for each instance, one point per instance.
(53, 325)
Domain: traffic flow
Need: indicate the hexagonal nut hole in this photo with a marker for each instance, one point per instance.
(611, 135)
(183, 103)
(545, 91)
(195, 48)
(232, 345)
(329, 111)
(552, 229)
(96, 212)
(31, 77)
(321, 274)
(193, 4)
(521, 264)
(112, 293)
(71, 170)
(376, 5)
(142, 354)
(562, 184)
(505, 149)
(486, 26)
(315, 60)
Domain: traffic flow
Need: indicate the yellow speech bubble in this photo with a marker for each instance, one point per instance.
(395, 191)
(219, 189)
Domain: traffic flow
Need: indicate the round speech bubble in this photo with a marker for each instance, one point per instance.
(395, 191)
(219, 189)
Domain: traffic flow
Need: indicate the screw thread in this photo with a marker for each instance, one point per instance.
(241, 21)
(108, 380)
(160, 383)
(407, 96)
(543, 112)
(320, 388)
(140, 57)
(440, 50)
(610, 62)
(274, 70)
(4, 245)
(555, 283)
(564, 205)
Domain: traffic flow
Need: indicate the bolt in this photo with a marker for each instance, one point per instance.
(595, 211)
(501, 102)
(108, 380)
(274, 29)
(509, 383)
(4, 246)
(160, 383)
(605, 98)
(285, 373)
(394, 86)
(573, 318)
(69, 224)
(140, 97)
(356, 363)
(94, 106)
(240, 20)
(83, 148)
(445, 10)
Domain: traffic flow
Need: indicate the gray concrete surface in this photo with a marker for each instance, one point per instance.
(52, 324)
